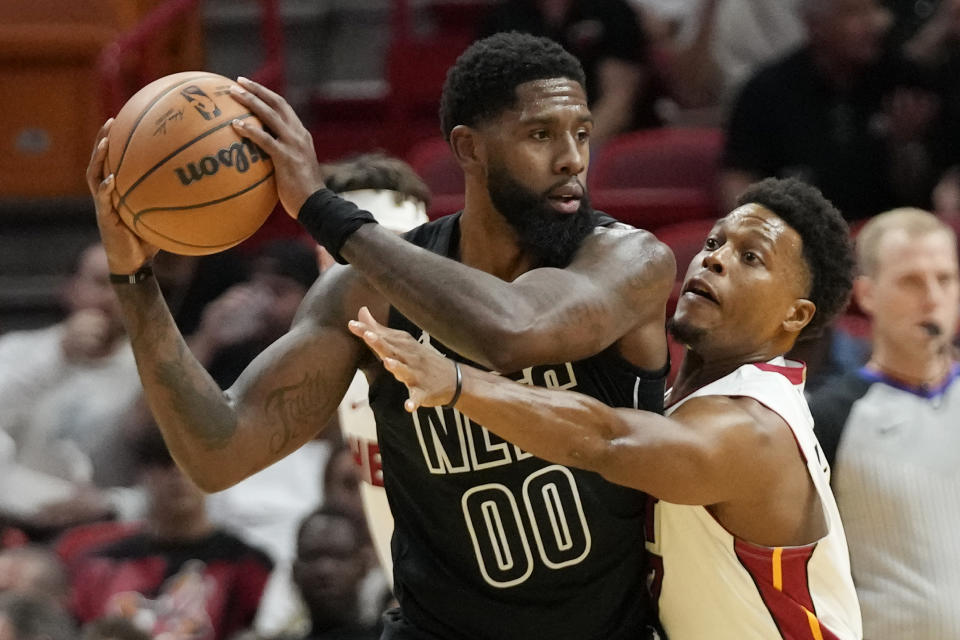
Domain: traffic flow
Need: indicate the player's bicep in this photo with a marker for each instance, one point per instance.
(615, 284)
(290, 390)
(705, 453)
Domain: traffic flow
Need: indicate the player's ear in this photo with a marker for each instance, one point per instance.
(863, 294)
(466, 147)
(799, 315)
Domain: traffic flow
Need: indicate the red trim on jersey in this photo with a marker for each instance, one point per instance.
(780, 574)
(796, 375)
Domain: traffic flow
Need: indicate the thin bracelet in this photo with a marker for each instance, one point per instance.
(456, 393)
(136, 277)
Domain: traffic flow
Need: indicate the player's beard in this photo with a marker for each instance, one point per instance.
(551, 236)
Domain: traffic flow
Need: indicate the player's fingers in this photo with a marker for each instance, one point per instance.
(277, 102)
(374, 343)
(267, 114)
(367, 318)
(258, 136)
(95, 168)
(396, 339)
(399, 370)
(100, 137)
(357, 328)
(103, 194)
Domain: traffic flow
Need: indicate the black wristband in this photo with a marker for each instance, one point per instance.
(330, 220)
(136, 277)
(456, 392)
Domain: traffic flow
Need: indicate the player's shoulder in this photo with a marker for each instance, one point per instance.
(637, 248)
(434, 234)
(733, 422)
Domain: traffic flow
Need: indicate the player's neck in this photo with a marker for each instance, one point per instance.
(697, 371)
(489, 243)
(914, 369)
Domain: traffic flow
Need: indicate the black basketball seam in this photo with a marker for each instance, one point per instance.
(136, 216)
(143, 114)
(159, 164)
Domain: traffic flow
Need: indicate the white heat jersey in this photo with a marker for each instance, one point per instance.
(360, 432)
(714, 585)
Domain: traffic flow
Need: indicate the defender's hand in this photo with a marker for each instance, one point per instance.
(290, 146)
(429, 376)
(126, 252)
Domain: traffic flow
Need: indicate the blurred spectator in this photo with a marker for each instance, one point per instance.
(936, 47)
(606, 36)
(341, 482)
(891, 432)
(909, 17)
(36, 571)
(190, 283)
(177, 574)
(838, 113)
(249, 316)
(24, 617)
(330, 566)
(64, 393)
(719, 44)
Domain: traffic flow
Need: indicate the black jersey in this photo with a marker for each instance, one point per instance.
(493, 543)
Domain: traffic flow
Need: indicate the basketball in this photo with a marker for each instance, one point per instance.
(185, 180)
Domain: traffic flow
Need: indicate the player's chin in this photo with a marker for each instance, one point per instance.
(686, 330)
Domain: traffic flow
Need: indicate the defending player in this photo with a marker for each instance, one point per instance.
(746, 535)
(490, 542)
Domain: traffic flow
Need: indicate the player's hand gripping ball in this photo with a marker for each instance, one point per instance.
(185, 180)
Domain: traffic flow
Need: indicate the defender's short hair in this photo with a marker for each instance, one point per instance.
(827, 248)
(483, 81)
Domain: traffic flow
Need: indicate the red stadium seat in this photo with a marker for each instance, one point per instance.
(686, 240)
(655, 177)
(434, 162)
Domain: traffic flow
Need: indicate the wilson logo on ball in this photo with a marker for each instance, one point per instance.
(238, 156)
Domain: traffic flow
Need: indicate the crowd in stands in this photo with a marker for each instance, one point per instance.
(102, 536)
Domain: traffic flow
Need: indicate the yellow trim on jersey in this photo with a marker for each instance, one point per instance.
(777, 568)
(814, 624)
